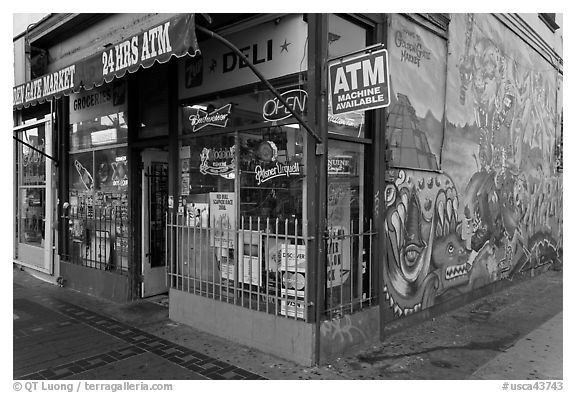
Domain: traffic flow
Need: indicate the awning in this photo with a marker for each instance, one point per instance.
(174, 37)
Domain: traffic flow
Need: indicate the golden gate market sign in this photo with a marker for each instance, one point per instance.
(174, 37)
(360, 83)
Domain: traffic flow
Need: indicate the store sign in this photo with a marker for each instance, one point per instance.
(278, 170)
(147, 46)
(340, 165)
(275, 48)
(217, 162)
(360, 83)
(200, 118)
(107, 99)
(173, 37)
(50, 84)
(274, 110)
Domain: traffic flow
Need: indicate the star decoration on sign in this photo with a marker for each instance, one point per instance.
(284, 46)
(213, 66)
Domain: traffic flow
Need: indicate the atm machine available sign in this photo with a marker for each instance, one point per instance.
(360, 83)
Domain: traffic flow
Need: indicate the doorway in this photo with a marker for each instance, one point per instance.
(154, 208)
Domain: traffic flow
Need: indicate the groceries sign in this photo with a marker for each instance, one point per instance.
(360, 83)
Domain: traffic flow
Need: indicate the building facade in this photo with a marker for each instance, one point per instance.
(205, 157)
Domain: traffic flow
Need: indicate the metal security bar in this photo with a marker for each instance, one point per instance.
(261, 265)
(98, 238)
(350, 270)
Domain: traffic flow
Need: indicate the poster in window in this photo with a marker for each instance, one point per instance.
(223, 220)
(81, 177)
(338, 248)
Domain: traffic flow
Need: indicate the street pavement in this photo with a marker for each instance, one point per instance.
(58, 333)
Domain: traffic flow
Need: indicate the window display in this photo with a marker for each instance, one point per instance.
(98, 117)
(98, 178)
(241, 168)
(32, 186)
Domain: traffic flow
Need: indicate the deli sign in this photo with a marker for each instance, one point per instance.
(360, 83)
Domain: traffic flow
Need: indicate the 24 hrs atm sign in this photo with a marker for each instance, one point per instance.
(360, 83)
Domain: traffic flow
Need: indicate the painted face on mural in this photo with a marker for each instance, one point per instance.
(427, 254)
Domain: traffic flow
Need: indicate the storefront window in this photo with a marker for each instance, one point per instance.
(241, 180)
(272, 167)
(98, 117)
(32, 216)
(98, 178)
(219, 146)
(346, 269)
(32, 186)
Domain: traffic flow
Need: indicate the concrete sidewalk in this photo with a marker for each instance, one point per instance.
(538, 355)
(138, 341)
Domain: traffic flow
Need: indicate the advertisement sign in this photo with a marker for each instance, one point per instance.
(223, 220)
(250, 271)
(276, 48)
(292, 257)
(292, 307)
(196, 118)
(98, 102)
(340, 165)
(293, 269)
(274, 110)
(98, 250)
(338, 248)
(360, 83)
(250, 267)
(197, 215)
(120, 172)
(264, 174)
(218, 161)
(338, 257)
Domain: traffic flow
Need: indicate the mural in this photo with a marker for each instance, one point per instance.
(417, 89)
(495, 211)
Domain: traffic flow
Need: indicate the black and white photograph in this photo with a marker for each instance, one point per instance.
(287, 196)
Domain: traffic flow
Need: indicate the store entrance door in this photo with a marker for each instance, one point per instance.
(154, 207)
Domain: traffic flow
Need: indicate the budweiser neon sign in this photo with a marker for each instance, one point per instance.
(216, 118)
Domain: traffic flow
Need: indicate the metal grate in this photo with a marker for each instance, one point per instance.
(98, 238)
(350, 271)
(261, 266)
